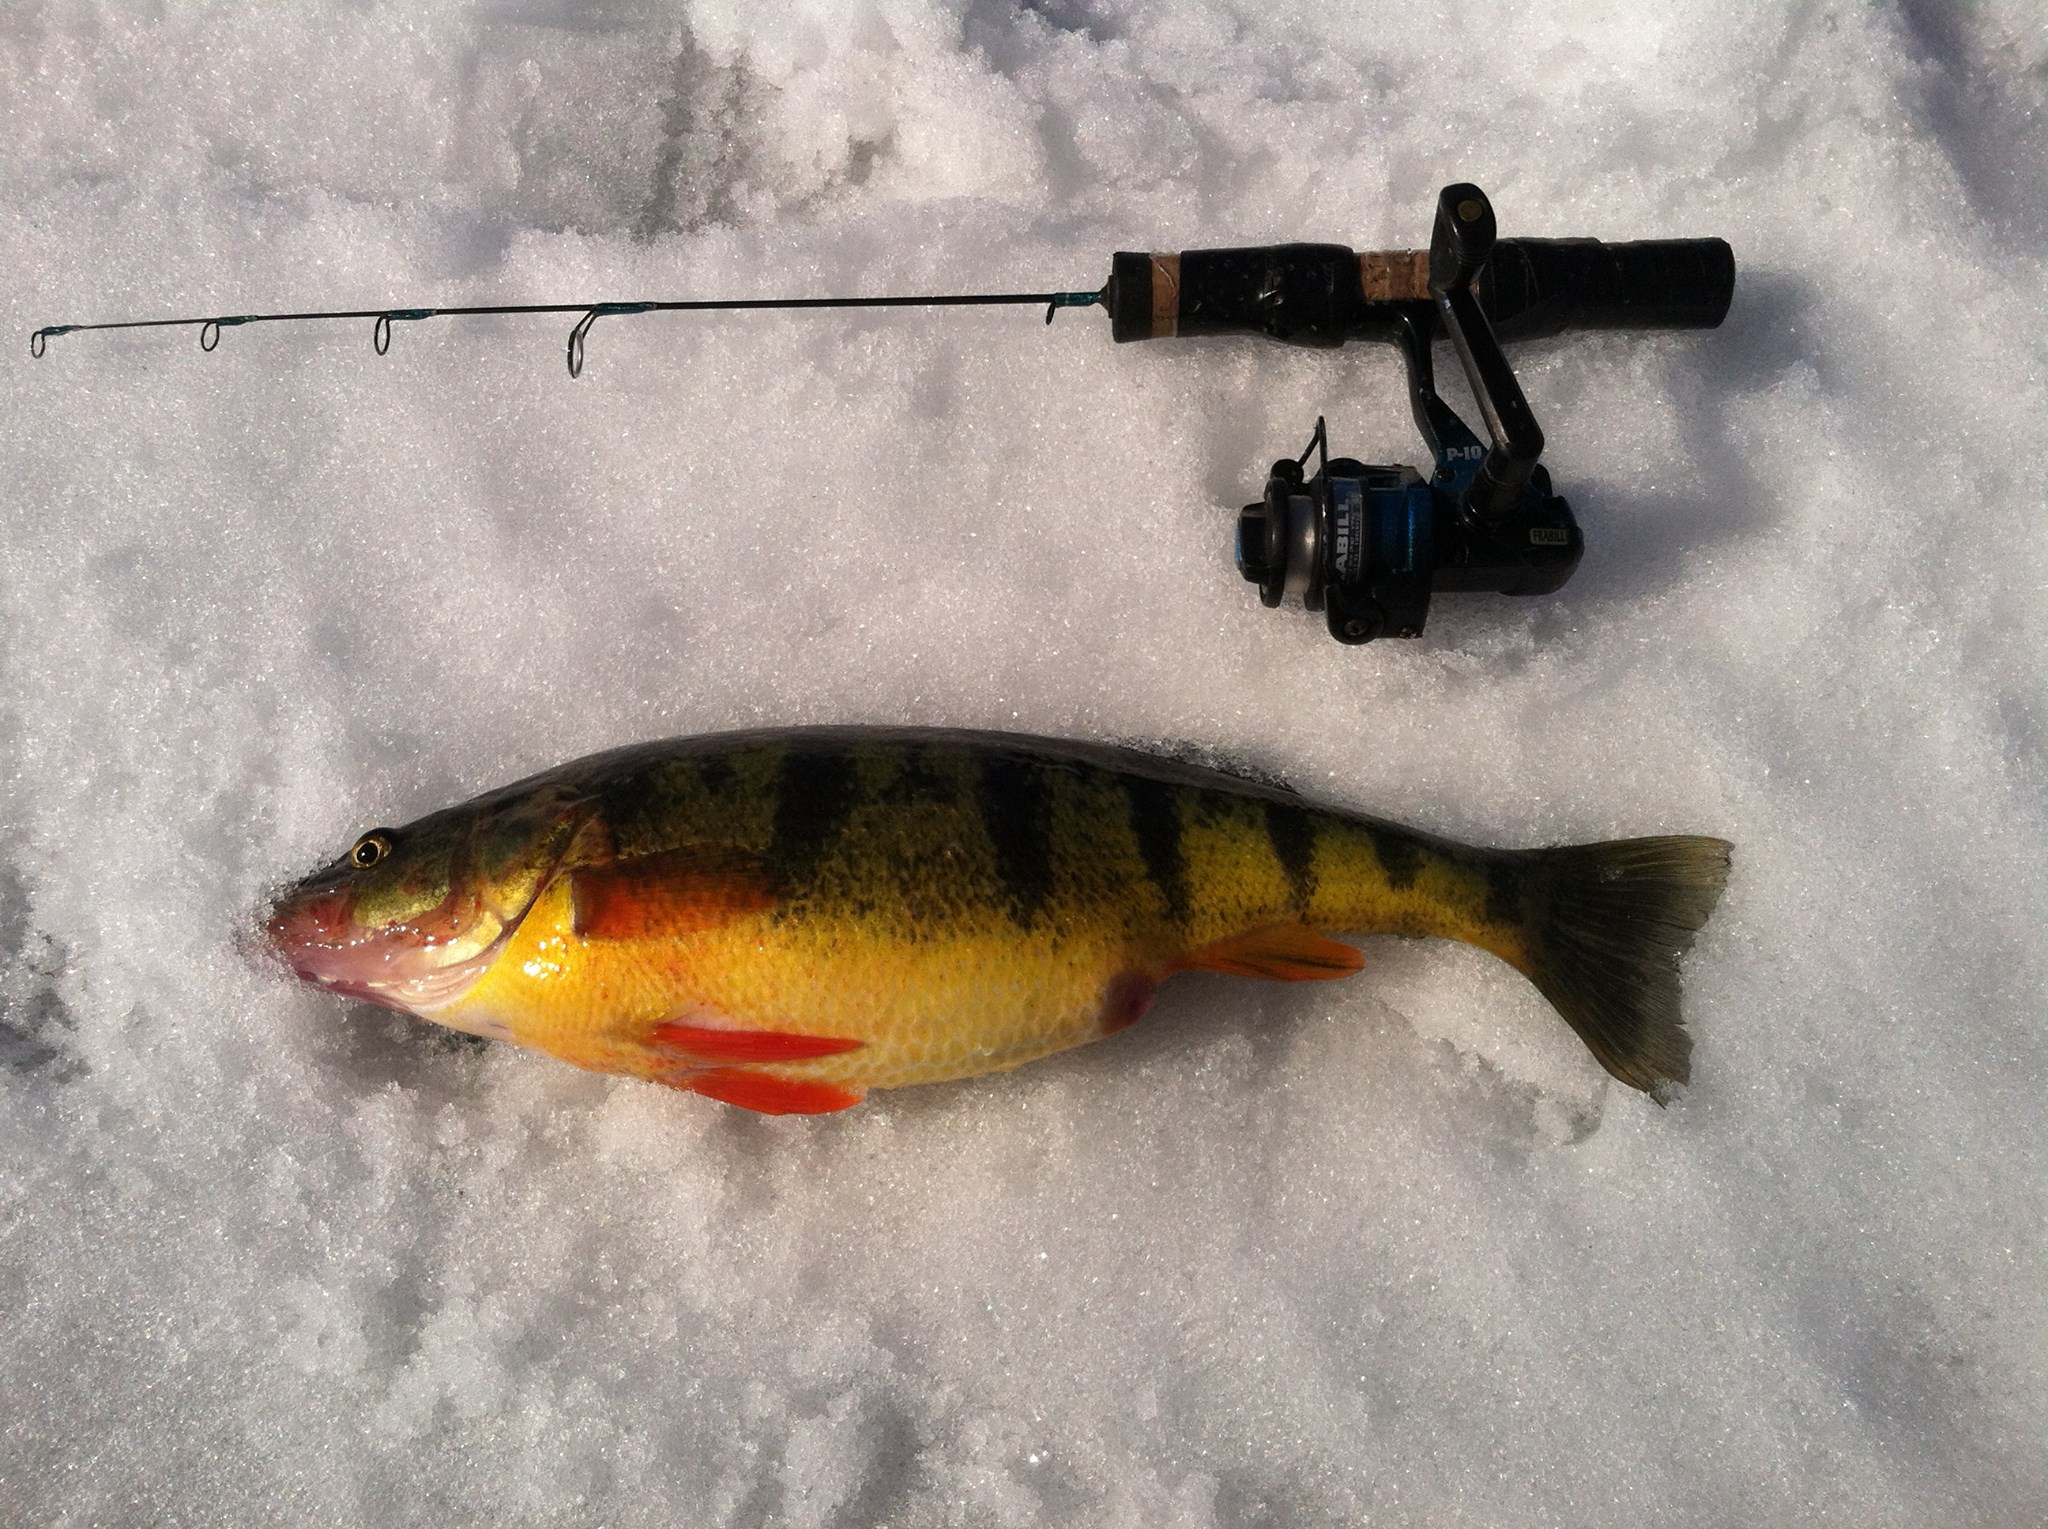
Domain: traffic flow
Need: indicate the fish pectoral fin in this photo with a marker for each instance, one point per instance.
(1281, 952)
(706, 1043)
(679, 891)
(766, 1094)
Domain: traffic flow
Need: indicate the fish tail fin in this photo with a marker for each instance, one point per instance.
(1609, 922)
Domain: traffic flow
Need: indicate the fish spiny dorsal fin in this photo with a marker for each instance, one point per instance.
(678, 891)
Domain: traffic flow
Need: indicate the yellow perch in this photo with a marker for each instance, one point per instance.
(783, 920)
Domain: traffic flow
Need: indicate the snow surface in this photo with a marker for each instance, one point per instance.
(1393, 1251)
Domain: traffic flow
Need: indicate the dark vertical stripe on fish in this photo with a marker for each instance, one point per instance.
(715, 773)
(920, 782)
(815, 793)
(1015, 801)
(1292, 833)
(1399, 856)
(1155, 822)
(628, 808)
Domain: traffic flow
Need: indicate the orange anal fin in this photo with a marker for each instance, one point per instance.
(1282, 952)
(767, 1095)
(680, 891)
(702, 1043)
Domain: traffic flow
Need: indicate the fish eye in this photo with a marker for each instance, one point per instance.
(371, 848)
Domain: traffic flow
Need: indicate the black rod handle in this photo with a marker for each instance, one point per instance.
(1299, 294)
(1532, 288)
(1324, 294)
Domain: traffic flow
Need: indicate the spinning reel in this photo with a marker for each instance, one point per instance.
(1367, 546)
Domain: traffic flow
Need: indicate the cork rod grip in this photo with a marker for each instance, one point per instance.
(1394, 276)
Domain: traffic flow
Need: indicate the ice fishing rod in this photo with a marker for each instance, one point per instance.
(1365, 545)
(380, 334)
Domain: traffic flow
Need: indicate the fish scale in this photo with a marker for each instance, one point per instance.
(787, 919)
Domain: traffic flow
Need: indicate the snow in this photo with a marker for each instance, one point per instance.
(1392, 1251)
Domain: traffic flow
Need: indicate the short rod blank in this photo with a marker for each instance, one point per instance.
(383, 318)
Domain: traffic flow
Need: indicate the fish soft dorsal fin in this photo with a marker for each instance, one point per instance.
(678, 891)
(1207, 759)
(1282, 952)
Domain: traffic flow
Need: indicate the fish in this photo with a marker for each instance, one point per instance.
(786, 919)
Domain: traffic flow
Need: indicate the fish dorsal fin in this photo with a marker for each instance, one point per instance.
(678, 891)
(706, 1043)
(765, 1094)
(1202, 758)
(1282, 952)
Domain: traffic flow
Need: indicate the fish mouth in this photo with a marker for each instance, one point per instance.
(428, 960)
(402, 967)
(408, 995)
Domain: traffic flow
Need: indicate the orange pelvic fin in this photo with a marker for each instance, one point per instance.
(768, 1095)
(703, 1043)
(680, 891)
(1282, 952)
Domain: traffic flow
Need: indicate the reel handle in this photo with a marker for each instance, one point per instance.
(1463, 244)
